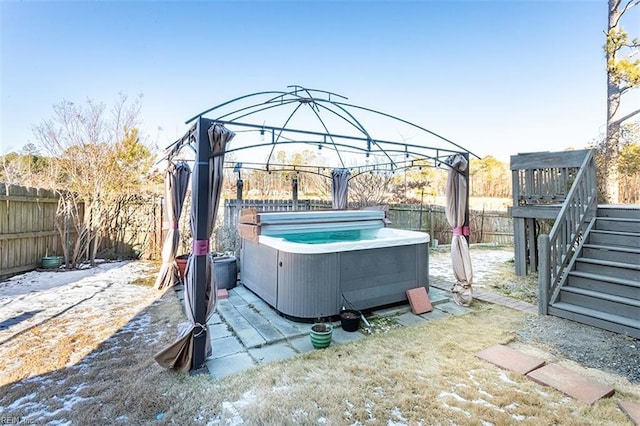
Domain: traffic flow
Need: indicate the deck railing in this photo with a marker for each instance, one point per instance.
(556, 249)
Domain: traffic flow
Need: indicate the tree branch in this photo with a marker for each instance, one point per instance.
(629, 5)
(624, 118)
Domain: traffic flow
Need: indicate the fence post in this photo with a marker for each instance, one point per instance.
(544, 254)
(294, 192)
(239, 185)
(238, 203)
(431, 235)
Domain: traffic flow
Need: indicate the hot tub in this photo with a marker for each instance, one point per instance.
(305, 277)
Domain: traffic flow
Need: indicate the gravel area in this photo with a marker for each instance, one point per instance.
(586, 345)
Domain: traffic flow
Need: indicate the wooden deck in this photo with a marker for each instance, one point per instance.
(541, 182)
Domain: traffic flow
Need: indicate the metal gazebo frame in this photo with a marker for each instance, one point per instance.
(244, 114)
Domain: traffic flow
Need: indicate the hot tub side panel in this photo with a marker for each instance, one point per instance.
(376, 277)
(259, 272)
(308, 285)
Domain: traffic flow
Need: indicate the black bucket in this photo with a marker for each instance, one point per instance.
(225, 270)
(350, 319)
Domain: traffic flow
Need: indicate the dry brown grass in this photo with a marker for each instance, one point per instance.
(426, 374)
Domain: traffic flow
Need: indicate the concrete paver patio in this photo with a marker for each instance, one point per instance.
(246, 331)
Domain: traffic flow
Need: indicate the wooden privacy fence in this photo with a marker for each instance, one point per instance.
(494, 227)
(28, 231)
(135, 229)
(27, 228)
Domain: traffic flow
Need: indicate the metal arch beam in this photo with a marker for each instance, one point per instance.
(355, 170)
(232, 101)
(324, 126)
(417, 155)
(355, 124)
(298, 87)
(280, 94)
(256, 110)
(281, 130)
(334, 135)
(411, 124)
(283, 168)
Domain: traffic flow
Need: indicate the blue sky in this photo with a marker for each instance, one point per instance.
(497, 77)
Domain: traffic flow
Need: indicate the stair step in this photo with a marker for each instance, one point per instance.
(606, 321)
(605, 284)
(609, 268)
(623, 239)
(617, 224)
(599, 301)
(618, 211)
(609, 252)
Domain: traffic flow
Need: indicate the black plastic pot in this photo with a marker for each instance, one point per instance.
(350, 319)
(225, 270)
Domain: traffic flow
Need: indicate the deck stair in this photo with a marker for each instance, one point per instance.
(602, 287)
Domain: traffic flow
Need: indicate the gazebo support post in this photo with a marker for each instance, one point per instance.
(294, 192)
(466, 213)
(202, 204)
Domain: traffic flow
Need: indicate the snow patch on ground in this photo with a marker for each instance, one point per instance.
(483, 263)
(62, 304)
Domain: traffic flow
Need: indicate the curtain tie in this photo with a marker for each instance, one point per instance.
(203, 329)
(200, 247)
(461, 230)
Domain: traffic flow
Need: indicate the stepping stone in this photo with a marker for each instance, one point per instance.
(221, 367)
(272, 353)
(437, 296)
(341, 336)
(218, 331)
(571, 383)
(241, 327)
(510, 359)
(408, 319)
(453, 309)
(631, 409)
(268, 332)
(435, 315)
(225, 346)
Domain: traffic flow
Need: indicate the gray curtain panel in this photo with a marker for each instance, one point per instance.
(176, 182)
(456, 196)
(340, 186)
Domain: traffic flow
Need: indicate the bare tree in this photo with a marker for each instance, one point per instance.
(369, 189)
(100, 160)
(623, 74)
